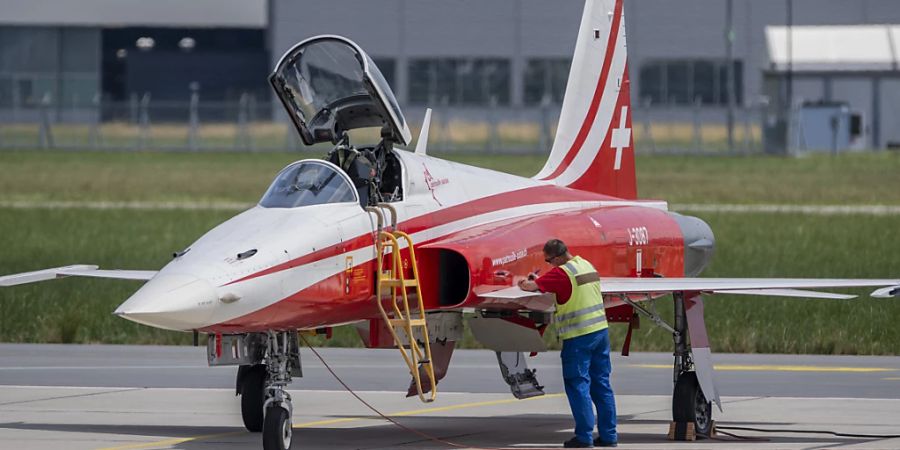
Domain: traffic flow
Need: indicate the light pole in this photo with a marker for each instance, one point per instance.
(729, 70)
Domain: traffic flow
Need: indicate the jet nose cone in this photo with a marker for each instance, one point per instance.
(172, 301)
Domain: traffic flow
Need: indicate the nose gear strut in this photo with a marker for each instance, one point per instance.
(282, 362)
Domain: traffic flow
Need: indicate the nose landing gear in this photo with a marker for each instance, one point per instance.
(282, 361)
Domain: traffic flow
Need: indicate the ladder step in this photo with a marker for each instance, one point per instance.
(393, 282)
(403, 322)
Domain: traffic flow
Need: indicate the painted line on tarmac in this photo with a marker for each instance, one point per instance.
(891, 379)
(777, 368)
(824, 210)
(413, 412)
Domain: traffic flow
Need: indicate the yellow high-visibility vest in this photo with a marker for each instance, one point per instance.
(584, 312)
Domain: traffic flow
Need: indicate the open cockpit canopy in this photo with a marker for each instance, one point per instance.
(329, 85)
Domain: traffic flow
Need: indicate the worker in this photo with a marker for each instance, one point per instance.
(581, 324)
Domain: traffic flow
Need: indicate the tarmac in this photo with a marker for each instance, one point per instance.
(129, 397)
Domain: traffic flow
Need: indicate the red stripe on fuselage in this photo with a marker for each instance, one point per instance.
(598, 96)
(327, 252)
(505, 200)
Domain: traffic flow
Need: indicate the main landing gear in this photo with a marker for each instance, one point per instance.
(265, 404)
(689, 402)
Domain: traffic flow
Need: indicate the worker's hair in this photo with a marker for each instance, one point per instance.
(555, 247)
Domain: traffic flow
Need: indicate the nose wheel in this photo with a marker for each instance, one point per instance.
(277, 430)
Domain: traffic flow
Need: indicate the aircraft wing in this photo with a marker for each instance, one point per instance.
(775, 287)
(80, 270)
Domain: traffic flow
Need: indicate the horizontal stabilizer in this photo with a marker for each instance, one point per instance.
(80, 270)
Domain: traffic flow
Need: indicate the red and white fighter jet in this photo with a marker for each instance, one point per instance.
(403, 244)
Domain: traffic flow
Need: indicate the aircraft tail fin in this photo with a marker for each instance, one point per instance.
(593, 149)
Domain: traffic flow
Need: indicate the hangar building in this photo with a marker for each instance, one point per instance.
(467, 55)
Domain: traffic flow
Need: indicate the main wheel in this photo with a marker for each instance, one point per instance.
(253, 384)
(689, 405)
(277, 431)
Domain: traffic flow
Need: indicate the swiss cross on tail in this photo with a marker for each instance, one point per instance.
(594, 132)
(621, 138)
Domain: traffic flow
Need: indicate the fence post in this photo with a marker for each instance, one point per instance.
(698, 138)
(251, 119)
(193, 121)
(133, 108)
(45, 134)
(648, 133)
(94, 130)
(445, 123)
(544, 126)
(493, 135)
(292, 139)
(144, 113)
(241, 141)
(748, 130)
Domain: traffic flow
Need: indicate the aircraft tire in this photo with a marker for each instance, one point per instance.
(252, 397)
(689, 405)
(277, 431)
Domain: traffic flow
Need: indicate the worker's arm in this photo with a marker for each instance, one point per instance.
(555, 281)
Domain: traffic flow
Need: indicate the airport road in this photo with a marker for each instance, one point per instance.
(127, 397)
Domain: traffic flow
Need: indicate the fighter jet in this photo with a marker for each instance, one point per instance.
(406, 246)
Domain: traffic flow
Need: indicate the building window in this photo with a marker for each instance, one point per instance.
(459, 82)
(545, 77)
(689, 81)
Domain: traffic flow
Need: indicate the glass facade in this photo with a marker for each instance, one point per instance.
(546, 77)
(689, 81)
(459, 81)
(59, 65)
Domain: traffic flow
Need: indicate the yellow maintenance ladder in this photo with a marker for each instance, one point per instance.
(400, 317)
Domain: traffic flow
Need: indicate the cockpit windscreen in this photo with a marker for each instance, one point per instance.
(308, 183)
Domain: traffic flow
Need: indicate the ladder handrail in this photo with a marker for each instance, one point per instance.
(379, 215)
(393, 211)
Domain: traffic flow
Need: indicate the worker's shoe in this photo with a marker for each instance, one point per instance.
(599, 443)
(575, 443)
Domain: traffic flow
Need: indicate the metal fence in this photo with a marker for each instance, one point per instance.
(250, 125)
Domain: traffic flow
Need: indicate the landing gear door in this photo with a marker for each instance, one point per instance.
(329, 85)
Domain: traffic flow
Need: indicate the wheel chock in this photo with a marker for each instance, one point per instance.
(685, 431)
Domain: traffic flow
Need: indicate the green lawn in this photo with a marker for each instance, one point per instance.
(870, 178)
(784, 245)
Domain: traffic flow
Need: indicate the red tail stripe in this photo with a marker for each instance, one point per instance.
(598, 96)
(603, 179)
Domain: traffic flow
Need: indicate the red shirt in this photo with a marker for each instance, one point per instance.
(557, 282)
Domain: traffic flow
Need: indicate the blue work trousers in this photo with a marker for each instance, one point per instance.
(586, 369)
